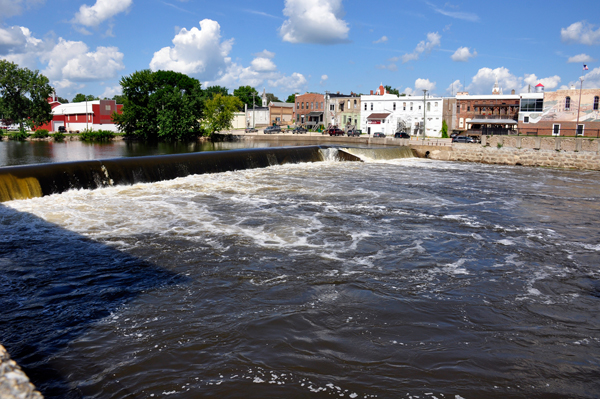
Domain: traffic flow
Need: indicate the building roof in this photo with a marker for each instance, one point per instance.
(539, 85)
(280, 104)
(84, 107)
(382, 115)
(315, 113)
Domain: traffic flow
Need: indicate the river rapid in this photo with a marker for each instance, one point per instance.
(384, 279)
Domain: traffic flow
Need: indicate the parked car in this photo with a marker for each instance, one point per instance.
(272, 130)
(454, 134)
(463, 139)
(378, 134)
(62, 129)
(354, 132)
(251, 130)
(335, 131)
(299, 130)
(401, 135)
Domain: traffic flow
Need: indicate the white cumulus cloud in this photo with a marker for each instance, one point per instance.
(424, 46)
(454, 87)
(74, 61)
(324, 79)
(483, 81)
(203, 54)
(382, 40)
(314, 21)
(581, 32)
(531, 80)
(463, 54)
(582, 58)
(198, 52)
(424, 84)
(100, 12)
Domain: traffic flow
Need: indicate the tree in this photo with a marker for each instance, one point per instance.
(244, 93)
(79, 98)
(444, 129)
(219, 112)
(272, 98)
(24, 95)
(389, 89)
(291, 98)
(161, 105)
(62, 100)
(118, 98)
(210, 91)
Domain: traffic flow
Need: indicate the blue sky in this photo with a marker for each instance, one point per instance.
(289, 46)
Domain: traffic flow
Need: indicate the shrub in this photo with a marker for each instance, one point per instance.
(21, 135)
(40, 134)
(96, 135)
(58, 136)
(499, 145)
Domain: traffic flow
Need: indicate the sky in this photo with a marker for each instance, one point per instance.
(297, 46)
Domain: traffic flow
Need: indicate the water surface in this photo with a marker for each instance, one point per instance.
(406, 278)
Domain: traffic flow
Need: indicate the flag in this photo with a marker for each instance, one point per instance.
(585, 68)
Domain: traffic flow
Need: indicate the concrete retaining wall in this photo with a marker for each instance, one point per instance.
(14, 384)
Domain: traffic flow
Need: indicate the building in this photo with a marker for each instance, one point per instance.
(309, 110)
(344, 110)
(386, 113)
(494, 113)
(76, 117)
(567, 112)
(281, 113)
(258, 116)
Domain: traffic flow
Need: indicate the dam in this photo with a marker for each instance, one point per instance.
(314, 271)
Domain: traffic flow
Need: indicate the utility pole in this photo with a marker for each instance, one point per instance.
(424, 112)
(326, 124)
(578, 108)
(253, 113)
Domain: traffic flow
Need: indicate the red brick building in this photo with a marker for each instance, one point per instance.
(309, 109)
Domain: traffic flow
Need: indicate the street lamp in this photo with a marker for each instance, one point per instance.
(579, 107)
(424, 112)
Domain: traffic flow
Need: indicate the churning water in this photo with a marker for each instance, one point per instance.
(384, 279)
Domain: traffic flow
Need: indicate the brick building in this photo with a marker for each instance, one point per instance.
(309, 109)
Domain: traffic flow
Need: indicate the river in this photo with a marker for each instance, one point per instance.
(385, 279)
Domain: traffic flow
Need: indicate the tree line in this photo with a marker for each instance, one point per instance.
(160, 105)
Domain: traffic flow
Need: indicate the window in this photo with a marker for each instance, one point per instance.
(394, 106)
(429, 107)
(567, 103)
(321, 104)
(461, 122)
(532, 105)
(525, 119)
(332, 107)
(468, 107)
(403, 106)
(107, 107)
(596, 99)
(457, 107)
(349, 103)
(579, 130)
(365, 106)
(371, 106)
(556, 129)
(354, 105)
(312, 105)
(411, 106)
(419, 107)
(298, 105)
(435, 104)
(302, 104)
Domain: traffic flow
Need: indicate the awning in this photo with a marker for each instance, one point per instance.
(378, 116)
(315, 113)
(493, 121)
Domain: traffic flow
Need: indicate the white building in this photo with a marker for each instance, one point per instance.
(258, 116)
(386, 113)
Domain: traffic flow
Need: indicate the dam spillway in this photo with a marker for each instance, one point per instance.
(29, 181)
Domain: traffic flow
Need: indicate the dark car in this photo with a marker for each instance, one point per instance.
(378, 134)
(299, 130)
(251, 130)
(335, 131)
(62, 129)
(463, 139)
(354, 132)
(454, 134)
(401, 135)
(272, 129)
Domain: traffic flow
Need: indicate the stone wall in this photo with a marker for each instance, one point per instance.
(14, 384)
(568, 153)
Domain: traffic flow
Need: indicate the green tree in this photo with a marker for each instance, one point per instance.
(24, 95)
(244, 93)
(291, 98)
(444, 129)
(272, 98)
(161, 105)
(62, 100)
(79, 98)
(389, 89)
(219, 112)
(211, 91)
(118, 98)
